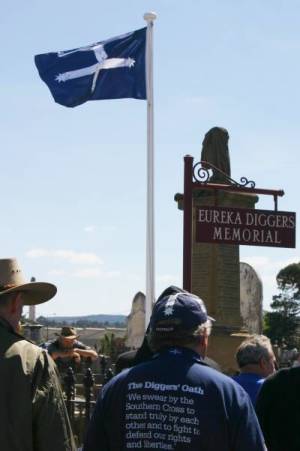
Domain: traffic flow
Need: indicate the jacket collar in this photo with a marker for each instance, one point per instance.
(180, 351)
(5, 324)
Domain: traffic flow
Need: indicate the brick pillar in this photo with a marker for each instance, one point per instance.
(216, 267)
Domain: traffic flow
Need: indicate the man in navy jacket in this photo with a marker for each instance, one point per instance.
(174, 401)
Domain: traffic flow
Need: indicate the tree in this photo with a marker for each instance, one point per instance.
(112, 346)
(281, 323)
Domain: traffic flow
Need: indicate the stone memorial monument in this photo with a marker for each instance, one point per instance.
(216, 267)
(136, 322)
(215, 151)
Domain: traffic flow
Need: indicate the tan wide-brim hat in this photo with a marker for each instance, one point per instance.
(12, 280)
(68, 333)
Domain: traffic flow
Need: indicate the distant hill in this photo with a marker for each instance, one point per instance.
(86, 320)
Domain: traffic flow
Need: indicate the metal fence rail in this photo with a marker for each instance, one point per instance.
(81, 398)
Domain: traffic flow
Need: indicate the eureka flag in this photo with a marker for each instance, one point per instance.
(111, 69)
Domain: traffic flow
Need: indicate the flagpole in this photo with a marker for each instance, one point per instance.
(150, 255)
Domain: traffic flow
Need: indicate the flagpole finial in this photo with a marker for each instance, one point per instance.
(150, 16)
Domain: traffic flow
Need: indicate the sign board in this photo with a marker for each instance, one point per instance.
(242, 226)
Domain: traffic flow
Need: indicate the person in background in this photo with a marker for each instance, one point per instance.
(296, 359)
(32, 410)
(66, 349)
(278, 410)
(131, 358)
(174, 400)
(256, 361)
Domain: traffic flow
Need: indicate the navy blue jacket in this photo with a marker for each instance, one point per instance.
(173, 402)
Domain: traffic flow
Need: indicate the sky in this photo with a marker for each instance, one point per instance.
(73, 181)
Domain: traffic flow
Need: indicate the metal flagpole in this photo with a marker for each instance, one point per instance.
(150, 257)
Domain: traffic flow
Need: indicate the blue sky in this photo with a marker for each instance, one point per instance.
(73, 181)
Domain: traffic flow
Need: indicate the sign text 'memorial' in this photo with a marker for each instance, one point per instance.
(246, 227)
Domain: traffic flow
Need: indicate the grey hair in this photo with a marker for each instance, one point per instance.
(179, 337)
(253, 349)
(204, 329)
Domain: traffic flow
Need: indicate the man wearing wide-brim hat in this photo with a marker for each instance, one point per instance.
(174, 401)
(32, 410)
(66, 347)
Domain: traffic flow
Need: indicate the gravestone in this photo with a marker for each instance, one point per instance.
(251, 295)
(136, 322)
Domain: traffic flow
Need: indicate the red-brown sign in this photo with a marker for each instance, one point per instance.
(242, 226)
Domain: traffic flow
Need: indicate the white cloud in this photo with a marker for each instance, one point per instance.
(90, 228)
(85, 258)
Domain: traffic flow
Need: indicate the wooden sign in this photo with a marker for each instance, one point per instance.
(242, 226)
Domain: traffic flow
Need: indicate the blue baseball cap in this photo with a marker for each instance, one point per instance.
(176, 308)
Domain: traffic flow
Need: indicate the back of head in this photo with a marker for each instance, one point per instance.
(68, 332)
(179, 318)
(252, 350)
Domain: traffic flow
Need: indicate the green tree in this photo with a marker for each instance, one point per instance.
(281, 322)
(112, 346)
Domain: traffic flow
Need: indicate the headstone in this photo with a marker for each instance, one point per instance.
(251, 295)
(136, 322)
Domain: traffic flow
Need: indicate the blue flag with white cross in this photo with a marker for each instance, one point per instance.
(110, 69)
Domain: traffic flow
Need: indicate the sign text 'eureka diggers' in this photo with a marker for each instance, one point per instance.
(243, 226)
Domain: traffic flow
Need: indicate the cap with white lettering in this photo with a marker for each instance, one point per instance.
(176, 308)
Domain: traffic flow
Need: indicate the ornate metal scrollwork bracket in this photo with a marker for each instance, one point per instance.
(202, 173)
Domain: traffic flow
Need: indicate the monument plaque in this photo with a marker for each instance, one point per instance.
(243, 226)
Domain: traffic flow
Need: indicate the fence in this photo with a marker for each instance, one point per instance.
(81, 391)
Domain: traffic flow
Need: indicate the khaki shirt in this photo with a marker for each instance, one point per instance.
(33, 416)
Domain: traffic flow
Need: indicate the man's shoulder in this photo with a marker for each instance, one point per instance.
(28, 347)
(51, 345)
(283, 376)
(249, 378)
(78, 344)
(28, 352)
(220, 383)
(217, 384)
(200, 371)
(218, 378)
